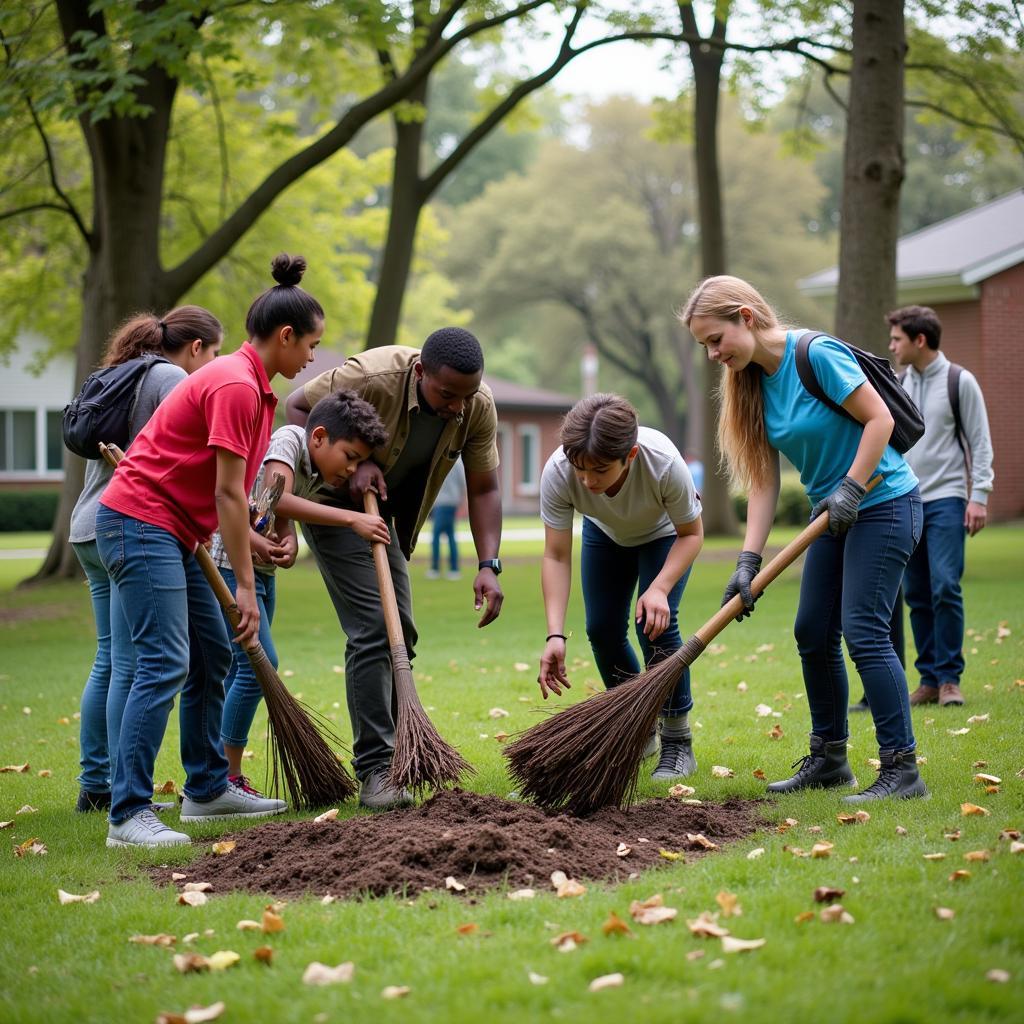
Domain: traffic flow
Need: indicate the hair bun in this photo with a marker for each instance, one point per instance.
(288, 270)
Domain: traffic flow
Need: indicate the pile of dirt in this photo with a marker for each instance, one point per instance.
(483, 841)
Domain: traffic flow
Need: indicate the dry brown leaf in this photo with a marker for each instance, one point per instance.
(614, 925)
(681, 790)
(69, 897)
(835, 914)
(978, 855)
(827, 894)
(729, 903)
(822, 849)
(968, 809)
(706, 926)
(225, 846)
(190, 963)
(959, 732)
(670, 855)
(566, 942)
(501, 735)
(271, 922)
(178, 876)
(33, 846)
(796, 851)
(775, 732)
(497, 713)
(944, 913)
(934, 856)
(730, 944)
(622, 850)
(1007, 834)
(756, 853)
(606, 981)
(195, 1015)
(960, 875)
(395, 992)
(977, 719)
(469, 928)
(719, 771)
(248, 926)
(451, 882)
(566, 888)
(758, 773)
(193, 899)
(993, 780)
(696, 954)
(998, 975)
(5, 824)
(27, 809)
(701, 840)
(167, 788)
(1016, 847)
(857, 818)
(264, 954)
(952, 836)
(17, 769)
(317, 973)
(198, 887)
(786, 825)
(522, 894)
(189, 938)
(901, 831)
(154, 940)
(804, 916)
(45, 773)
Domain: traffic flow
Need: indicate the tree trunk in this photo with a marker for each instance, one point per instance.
(872, 175)
(719, 515)
(407, 202)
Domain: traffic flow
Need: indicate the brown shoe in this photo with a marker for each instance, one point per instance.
(949, 693)
(924, 695)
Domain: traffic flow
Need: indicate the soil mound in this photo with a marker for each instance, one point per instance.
(484, 841)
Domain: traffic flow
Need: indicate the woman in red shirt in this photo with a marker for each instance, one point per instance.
(188, 473)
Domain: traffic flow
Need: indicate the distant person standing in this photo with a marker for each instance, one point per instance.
(953, 462)
(446, 511)
(696, 468)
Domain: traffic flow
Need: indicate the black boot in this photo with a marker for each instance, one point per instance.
(824, 767)
(898, 779)
(88, 801)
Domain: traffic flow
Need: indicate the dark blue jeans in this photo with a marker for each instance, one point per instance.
(612, 576)
(932, 587)
(848, 590)
(242, 691)
(181, 645)
(444, 526)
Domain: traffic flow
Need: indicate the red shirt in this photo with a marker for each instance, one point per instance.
(170, 472)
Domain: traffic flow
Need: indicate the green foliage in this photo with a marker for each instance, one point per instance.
(27, 510)
(792, 509)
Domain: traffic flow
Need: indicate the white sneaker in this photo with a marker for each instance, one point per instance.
(234, 802)
(453, 574)
(433, 574)
(144, 829)
(375, 793)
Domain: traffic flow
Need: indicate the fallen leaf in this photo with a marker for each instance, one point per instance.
(501, 735)
(730, 944)
(741, 687)
(706, 926)
(814, 829)
(857, 818)
(756, 853)
(177, 876)
(264, 954)
(451, 882)
(622, 850)
(670, 855)
(934, 856)
(988, 779)
(701, 840)
(195, 1015)
(1016, 847)
(719, 771)
(680, 790)
(153, 940)
(959, 732)
(224, 847)
(901, 831)
(614, 925)
(796, 851)
(997, 975)
(5, 824)
(775, 732)
(32, 846)
(758, 773)
(271, 923)
(786, 825)
(521, 666)
(190, 963)
(969, 809)
(606, 981)
(190, 937)
(536, 979)
(944, 913)
(248, 926)
(469, 928)
(762, 710)
(198, 887)
(192, 899)
(44, 774)
(729, 903)
(826, 894)
(975, 719)
(167, 788)
(835, 914)
(68, 897)
(566, 888)
(395, 992)
(497, 713)
(961, 875)
(325, 900)
(522, 894)
(1005, 834)
(320, 974)
(978, 855)
(716, 964)
(822, 849)
(326, 816)
(804, 916)
(566, 942)
(952, 836)
(27, 809)
(17, 769)
(696, 954)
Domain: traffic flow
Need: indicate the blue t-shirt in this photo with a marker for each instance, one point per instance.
(819, 442)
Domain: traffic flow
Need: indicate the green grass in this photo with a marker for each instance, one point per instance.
(896, 963)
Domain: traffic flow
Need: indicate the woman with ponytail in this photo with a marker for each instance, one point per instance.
(187, 474)
(173, 346)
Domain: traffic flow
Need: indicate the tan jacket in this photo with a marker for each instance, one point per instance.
(384, 377)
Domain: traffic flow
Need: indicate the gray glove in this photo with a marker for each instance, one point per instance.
(842, 506)
(739, 582)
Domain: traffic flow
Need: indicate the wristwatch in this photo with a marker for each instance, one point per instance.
(491, 563)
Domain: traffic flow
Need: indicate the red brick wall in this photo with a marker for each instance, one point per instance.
(514, 498)
(986, 336)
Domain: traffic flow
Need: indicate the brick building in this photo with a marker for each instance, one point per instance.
(970, 270)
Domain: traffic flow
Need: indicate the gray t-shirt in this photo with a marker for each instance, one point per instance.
(658, 494)
(287, 445)
(157, 384)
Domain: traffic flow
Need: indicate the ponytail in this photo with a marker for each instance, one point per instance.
(147, 333)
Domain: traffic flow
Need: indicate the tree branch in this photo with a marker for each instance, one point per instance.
(7, 214)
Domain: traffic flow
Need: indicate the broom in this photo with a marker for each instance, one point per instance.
(421, 757)
(588, 756)
(301, 759)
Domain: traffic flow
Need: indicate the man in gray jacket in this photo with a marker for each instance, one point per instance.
(953, 462)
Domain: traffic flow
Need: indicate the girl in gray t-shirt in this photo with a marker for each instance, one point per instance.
(183, 339)
(642, 531)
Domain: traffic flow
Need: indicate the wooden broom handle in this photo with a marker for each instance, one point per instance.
(782, 561)
(388, 601)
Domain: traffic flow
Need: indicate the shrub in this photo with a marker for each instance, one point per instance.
(792, 509)
(27, 510)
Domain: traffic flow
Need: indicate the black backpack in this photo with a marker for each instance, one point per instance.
(908, 426)
(102, 410)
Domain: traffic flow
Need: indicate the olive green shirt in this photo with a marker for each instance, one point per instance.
(384, 377)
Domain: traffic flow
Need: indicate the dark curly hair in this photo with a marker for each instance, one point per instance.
(345, 416)
(286, 304)
(453, 347)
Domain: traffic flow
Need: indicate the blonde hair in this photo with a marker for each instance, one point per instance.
(744, 451)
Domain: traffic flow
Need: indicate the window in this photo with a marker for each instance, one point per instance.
(31, 442)
(529, 458)
(54, 440)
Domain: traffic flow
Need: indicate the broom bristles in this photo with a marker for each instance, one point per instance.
(422, 759)
(588, 756)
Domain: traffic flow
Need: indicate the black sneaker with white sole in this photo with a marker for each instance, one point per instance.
(677, 759)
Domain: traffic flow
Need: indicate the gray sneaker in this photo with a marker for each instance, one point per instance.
(144, 829)
(677, 760)
(234, 802)
(375, 793)
(653, 745)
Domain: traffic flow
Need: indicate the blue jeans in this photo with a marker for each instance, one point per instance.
(932, 586)
(444, 526)
(612, 574)
(242, 691)
(181, 646)
(848, 590)
(106, 689)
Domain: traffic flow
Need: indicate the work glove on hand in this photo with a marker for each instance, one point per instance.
(739, 582)
(842, 506)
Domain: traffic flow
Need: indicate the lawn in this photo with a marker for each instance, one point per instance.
(897, 962)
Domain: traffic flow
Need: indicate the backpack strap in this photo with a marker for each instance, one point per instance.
(953, 393)
(805, 371)
(150, 360)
